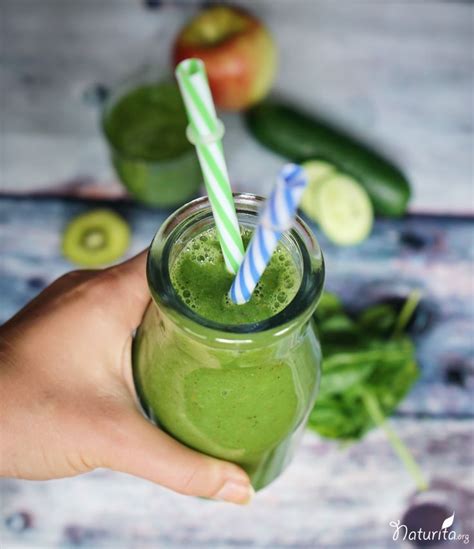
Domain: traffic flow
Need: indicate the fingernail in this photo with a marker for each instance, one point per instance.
(236, 492)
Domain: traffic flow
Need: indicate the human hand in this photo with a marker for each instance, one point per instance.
(67, 399)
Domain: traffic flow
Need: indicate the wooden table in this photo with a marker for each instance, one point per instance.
(398, 74)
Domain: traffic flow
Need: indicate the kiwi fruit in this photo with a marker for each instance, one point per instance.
(96, 238)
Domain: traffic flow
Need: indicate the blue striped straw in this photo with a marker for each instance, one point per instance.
(277, 217)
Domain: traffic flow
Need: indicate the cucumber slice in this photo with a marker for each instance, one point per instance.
(344, 210)
(316, 171)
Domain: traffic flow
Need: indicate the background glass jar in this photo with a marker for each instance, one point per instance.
(241, 392)
(144, 123)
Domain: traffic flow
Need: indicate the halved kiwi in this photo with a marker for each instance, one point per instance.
(96, 238)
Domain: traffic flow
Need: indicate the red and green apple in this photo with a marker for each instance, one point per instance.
(237, 50)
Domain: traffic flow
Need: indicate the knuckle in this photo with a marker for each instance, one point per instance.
(188, 481)
(107, 280)
(204, 478)
(73, 282)
(97, 287)
(70, 277)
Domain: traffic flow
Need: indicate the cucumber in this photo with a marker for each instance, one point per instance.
(301, 137)
(343, 209)
(337, 202)
(316, 172)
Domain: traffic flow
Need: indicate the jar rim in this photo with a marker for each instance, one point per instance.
(162, 290)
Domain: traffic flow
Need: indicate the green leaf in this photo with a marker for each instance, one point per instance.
(340, 376)
(395, 374)
(407, 311)
(338, 323)
(338, 328)
(365, 373)
(339, 418)
(359, 357)
(379, 319)
(374, 410)
(327, 306)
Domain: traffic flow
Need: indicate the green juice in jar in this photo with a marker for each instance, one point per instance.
(202, 282)
(214, 379)
(145, 127)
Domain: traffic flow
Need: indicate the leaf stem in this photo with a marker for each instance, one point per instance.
(373, 409)
(407, 311)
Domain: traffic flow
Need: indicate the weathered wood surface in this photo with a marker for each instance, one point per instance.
(400, 75)
(328, 498)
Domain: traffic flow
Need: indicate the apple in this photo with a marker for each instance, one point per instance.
(237, 50)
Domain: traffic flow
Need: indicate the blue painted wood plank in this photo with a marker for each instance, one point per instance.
(432, 253)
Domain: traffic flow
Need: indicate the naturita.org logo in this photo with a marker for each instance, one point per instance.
(402, 532)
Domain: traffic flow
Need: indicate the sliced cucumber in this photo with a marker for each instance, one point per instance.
(343, 210)
(299, 136)
(316, 171)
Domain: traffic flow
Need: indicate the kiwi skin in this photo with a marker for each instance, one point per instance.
(95, 238)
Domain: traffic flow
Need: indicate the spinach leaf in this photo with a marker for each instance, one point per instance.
(378, 319)
(368, 368)
(328, 305)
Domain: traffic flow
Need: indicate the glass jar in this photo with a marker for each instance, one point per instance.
(144, 123)
(242, 392)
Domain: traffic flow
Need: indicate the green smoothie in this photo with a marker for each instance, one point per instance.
(202, 282)
(240, 397)
(146, 130)
(149, 122)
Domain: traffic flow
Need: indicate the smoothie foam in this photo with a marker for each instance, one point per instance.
(202, 282)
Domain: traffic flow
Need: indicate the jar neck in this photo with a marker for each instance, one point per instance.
(196, 217)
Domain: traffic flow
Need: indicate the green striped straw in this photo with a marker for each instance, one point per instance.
(205, 131)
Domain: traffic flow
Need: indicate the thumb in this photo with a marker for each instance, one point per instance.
(131, 291)
(141, 449)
